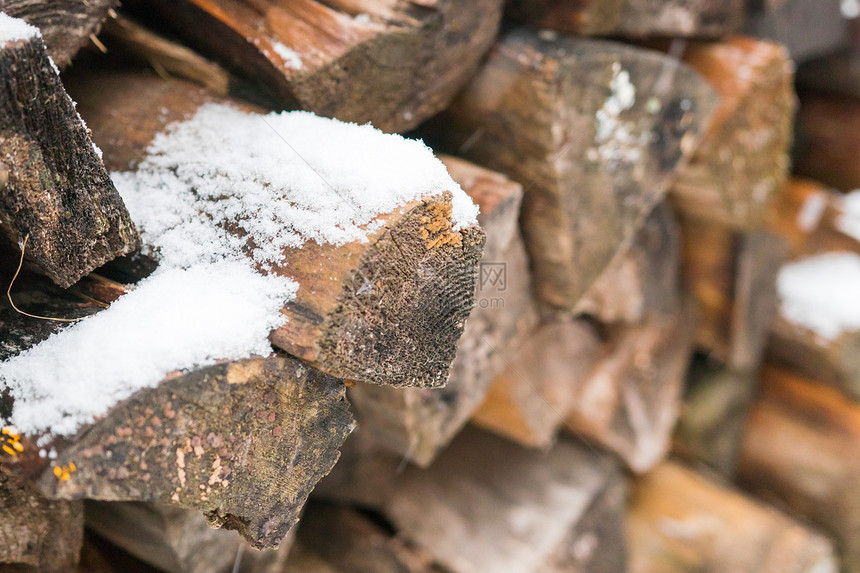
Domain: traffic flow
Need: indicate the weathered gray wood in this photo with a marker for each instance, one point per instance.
(393, 64)
(593, 130)
(37, 534)
(418, 423)
(178, 540)
(406, 291)
(680, 521)
(66, 25)
(57, 191)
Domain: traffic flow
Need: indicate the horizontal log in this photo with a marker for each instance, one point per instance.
(66, 25)
(38, 534)
(742, 159)
(178, 540)
(593, 138)
(408, 288)
(828, 140)
(806, 29)
(633, 18)
(630, 400)
(717, 403)
(56, 191)
(680, 521)
(418, 423)
(391, 64)
(799, 451)
(528, 400)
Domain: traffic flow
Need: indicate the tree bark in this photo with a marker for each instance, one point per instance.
(583, 125)
(398, 288)
(799, 450)
(582, 17)
(418, 423)
(39, 534)
(178, 540)
(66, 25)
(743, 158)
(393, 64)
(680, 521)
(55, 189)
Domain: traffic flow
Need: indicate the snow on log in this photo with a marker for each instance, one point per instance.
(594, 132)
(742, 159)
(418, 423)
(56, 191)
(393, 64)
(799, 450)
(380, 243)
(680, 521)
(66, 25)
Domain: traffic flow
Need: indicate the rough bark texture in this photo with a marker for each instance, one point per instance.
(417, 423)
(349, 541)
(488, 505)
(643, 281)
(630, 400)
(583, 17)
(680, 522)
(178, 540)
(66, 25)
(528, 400)
(244, 442)
(56, 189)
(743, 157)
(393, 64)
(408, 296)
(593, 130)
(828, 140)
(807, 29)
(714, 415)
(800, 450)
(38, 535)
(732, 278)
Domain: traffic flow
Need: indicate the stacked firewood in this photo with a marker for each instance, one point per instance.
(642, 354)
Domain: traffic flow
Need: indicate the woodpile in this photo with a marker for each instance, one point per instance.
(606, 319)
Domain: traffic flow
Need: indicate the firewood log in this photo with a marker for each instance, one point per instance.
(632, 18)
(680, 521)
(806, 29)
(38, 534)
(402, 289)
(816, 221)
(800, 450)
(582, 125)
(528, 400)
(487, 504)
(66, 25)
(393, 64)
(56, 192)
(644, 280)
(347, 540)
(419, 422)
(716, 407)
(178, 540)
(731, 275)
(630, 400)
(828, 140)
(743, 158)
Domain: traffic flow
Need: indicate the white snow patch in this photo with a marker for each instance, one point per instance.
(291, 57)
(849, 220)
(217, 198)
(174, 320)
(850, 9)
(822, 293)
(617, 139)
(14, 29)
(811, 211)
